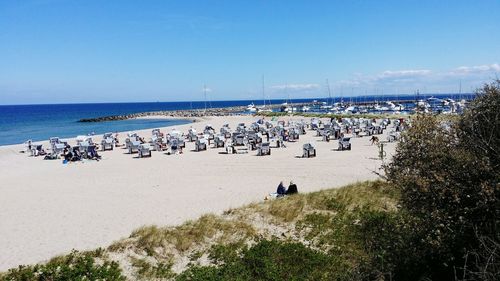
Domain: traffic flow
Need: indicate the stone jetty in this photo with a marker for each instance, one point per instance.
(189, 113)
(194, 113)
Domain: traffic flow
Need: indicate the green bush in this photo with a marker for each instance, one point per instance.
(147, 271)
(448, 177)
(391, 242)
(74, 266)
(270, 260)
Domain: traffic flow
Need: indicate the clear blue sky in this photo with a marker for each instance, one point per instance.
(56, 51)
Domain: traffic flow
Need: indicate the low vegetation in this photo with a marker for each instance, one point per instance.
(434, 216)
(92, 265)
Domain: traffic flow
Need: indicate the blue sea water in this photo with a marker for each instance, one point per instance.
(19, 123)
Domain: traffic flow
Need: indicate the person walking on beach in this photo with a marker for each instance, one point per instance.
(374, 140)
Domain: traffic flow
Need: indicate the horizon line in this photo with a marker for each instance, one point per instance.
(280, 99)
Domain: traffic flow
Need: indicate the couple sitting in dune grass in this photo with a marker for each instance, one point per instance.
(282, 190)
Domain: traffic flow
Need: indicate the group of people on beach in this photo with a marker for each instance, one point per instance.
(73, 154)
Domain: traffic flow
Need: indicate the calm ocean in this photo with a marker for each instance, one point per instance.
(19, 123)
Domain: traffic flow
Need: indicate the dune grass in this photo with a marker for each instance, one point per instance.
(146, 270)
(329, 222)
(325, 221)
(183, 237)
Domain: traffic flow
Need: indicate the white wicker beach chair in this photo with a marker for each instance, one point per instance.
(230, 149)
(293, 134)
(133, 146)
(315, 123)
(200, 144)
(173, 146)
(80, 139)
(192, 136)
(393, 136)
(156, 132)
(53, 140)
(308, 150)
(107, 143)
(219, 141)
(144, 150)
(58, 148)
(264, 149)
(130, 138)
(225, 131)
(238, 139)
(158, 144)
(344, 144)
(83, 146)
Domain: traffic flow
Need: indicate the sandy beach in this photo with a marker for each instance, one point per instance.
(47, 208)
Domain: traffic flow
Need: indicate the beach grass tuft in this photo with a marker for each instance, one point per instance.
(191, 233)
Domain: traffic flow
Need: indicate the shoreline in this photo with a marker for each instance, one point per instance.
(191, 121)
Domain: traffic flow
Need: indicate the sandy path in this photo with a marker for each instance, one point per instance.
(47, 208)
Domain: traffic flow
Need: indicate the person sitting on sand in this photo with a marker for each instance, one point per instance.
(92, 153)
(40, 151)
(292, 189)
(281, 191)
(68, 155)
(76, 155)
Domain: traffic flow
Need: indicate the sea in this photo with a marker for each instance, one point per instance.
(19, 123)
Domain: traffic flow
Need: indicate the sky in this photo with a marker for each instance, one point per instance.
(61, 51)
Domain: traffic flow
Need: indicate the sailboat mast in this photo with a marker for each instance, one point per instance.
(341, 95)
(263, 92)
(329, 93)
(287, 94)
(460, 91)
(205, 95)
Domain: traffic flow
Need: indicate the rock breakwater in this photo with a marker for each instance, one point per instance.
(226, 111)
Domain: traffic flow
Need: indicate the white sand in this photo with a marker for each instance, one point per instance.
(47, 208)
